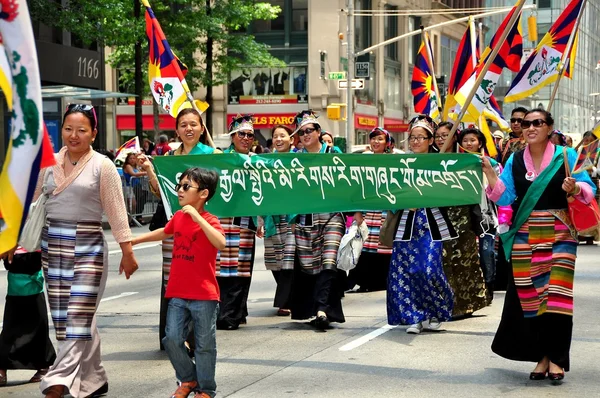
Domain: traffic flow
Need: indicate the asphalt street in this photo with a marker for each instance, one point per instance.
(273, 356)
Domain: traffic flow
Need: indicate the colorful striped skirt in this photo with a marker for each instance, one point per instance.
(237, 259)
(543, 258)
(281, 247)
(317, 244)
(74, 259)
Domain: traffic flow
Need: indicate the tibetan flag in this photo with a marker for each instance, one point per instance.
(490, 146)
(5, 75)
(166, 73)
(422, 84)
(132, 145)
(509, 56)
(541, 68)
(29, 147)
(587, 157)
(464, 65)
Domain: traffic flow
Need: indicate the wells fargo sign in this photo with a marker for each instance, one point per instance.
(268, 120)
(368, 122)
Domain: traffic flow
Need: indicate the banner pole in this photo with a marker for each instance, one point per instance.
(430, 61)
(566, 57)
(486, 67)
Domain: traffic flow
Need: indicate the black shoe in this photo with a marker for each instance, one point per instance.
(556, 376)
(99, 392)
(537, 375)
(321, 322)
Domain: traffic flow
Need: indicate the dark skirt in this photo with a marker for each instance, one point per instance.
(25, 341)
(371, 272)
(530, 339)
(283, 292)
(503, 271)
(233, 308)
(312, 293)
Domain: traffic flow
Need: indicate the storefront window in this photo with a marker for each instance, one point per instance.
(268, 86)
(362, 137)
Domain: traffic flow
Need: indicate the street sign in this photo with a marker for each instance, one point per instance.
(337, 75)
(362, 67)
(357, 84)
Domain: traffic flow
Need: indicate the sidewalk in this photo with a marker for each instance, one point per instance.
(110, 239)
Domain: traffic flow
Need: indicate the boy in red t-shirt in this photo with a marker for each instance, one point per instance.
(192, 288)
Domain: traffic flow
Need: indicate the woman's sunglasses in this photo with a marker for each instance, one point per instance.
(243, 135)
(535, 123)
(186, 187)
(307, 130)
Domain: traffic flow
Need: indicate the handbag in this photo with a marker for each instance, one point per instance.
(159, 219)
(351, 246)
(584, 216)
(31, 235)
(387, 233)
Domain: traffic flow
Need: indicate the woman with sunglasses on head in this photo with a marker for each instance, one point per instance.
(280, 243)
(371, 271)
(194, 139)
(80, 187)
(461, 256)
(537, 320)
(236, 262)
(316, 291)
(418, 290)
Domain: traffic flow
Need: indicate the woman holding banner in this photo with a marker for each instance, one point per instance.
(192, 134)
(280, 243)
(461, 255)
(537, 320)
(316, 291)
(373, 265)
(418, 290)
(236, 262)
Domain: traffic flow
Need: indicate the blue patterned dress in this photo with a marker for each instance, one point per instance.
(417, 287)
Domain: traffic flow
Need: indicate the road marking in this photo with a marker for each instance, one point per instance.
(111, 252)
(367, 337)
(125, 294)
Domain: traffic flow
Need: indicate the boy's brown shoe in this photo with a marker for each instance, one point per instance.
(184, 389)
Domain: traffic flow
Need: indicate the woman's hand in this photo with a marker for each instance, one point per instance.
(489, 172)
(260, 232)
(358, 217)
(128, 265)
(8, 255)
(144, 162)
(569, 186)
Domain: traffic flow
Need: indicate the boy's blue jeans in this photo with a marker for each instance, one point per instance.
(203, 315)
(487, 257)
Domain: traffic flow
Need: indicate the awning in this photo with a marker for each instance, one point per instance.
(80, 93)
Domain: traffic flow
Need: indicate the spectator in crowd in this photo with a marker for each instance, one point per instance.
(163, 146)
(134, 194)
(147, 147)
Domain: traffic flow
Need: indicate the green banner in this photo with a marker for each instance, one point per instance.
(301, 183)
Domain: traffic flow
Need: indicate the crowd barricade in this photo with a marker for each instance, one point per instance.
(140, 202)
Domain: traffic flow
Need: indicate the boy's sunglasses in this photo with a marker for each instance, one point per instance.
(535, 123)
(186, 187)
(516, 120)
(83, 108)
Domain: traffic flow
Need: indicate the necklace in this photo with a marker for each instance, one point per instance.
(70, 161)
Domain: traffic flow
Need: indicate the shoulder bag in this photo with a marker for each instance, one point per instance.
(31, 235)
(585, 216)
(387, 233)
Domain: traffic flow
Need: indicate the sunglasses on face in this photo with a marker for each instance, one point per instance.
(535, 123)
(186, 187)
(307, 130)
(83, 108)
(243, 134)
(516, 120)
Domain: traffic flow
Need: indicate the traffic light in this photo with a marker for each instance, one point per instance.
(334, 112)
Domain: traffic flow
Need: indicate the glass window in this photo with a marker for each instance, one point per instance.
(448, 49)
(390, 27)
(362, 26)
(544, 3)
(277, 24)
(268, 85)
(392, 88)
(300, 15)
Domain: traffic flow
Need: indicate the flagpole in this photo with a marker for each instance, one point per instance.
(190, 98)
(473, 35)
(566, 56)
(430, 61)
(486, 67)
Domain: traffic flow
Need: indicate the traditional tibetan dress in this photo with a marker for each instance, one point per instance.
(75, 264)
(537, 319)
